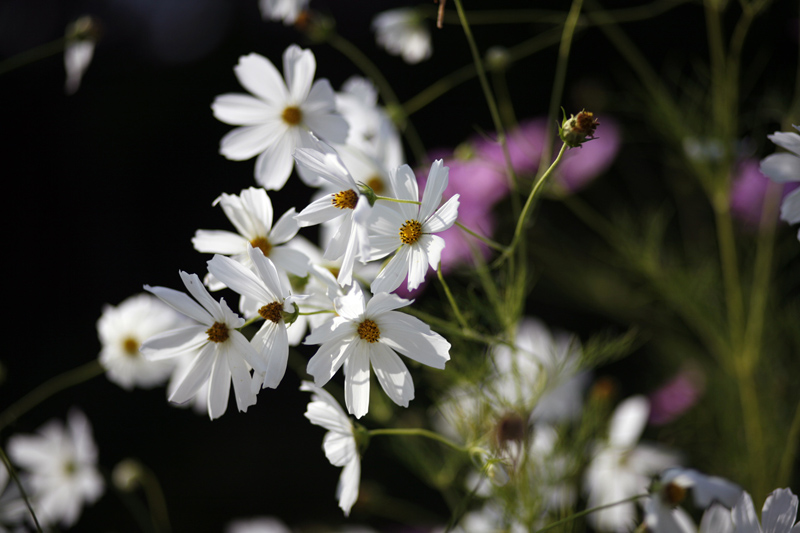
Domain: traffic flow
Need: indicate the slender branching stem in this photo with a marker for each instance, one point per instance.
(12, 472)
(419, 432)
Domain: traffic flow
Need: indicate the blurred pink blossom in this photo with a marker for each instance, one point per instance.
(748, 189)
(676, 396)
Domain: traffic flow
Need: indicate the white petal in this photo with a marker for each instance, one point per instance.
(628, 421)
(444, 217)
(716, 519)
(418, 263)
(339, 447)
(241, 345)
(323, 162)
(275, 163)
(336, 329)
(174, 342)
(383, 302)
(392, 374)
(245, 142)
(433, 249)
(219, 385)
(326, 362)
(268, 275)
(240, 377)
(744, 515)
(201, 294)
(347, 490)
(411, 337)
(258, 75)
(434, 188)
(182, 303)
(292, 261)
(404, 184)
(195, 376)
(276, 349)
(243, 110)
(286, 227)
(356, 379)
(351, 306)
(219, 242)
(393, 273)
(790, 208)
(240, 279)
(254, 218)
(788, 140)
(780, 508)
(781, 167)
(319, 211)
(298, 67)
(321, 100)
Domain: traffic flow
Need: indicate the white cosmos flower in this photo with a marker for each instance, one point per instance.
(365, 334)
(264, 288)
(348, 206)
(785, 167)
(777, 516)
(220, 352)
(402, 33)
(339, 442)
(408, 228)
(621, 468)
(251, 214)
(78, 53)
(122, 329)
(280, 117)
(60, 468)
(286, 10)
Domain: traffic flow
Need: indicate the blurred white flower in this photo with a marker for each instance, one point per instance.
(402, 32)
(220, 353)
(264, 524)
(785, 167)
(364, 334)
(339, 442)
(280, 117)
(122, 329)
(777, 516)
(285, 10)
(59, 468)
(81, 40)
(621, 468)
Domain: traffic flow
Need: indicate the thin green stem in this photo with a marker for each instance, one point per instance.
(730, 268)
(589, 511)
(32, 55)
(488, 242)
(418, 432)
(156, 501)
(790, 452)
(12, 472)
(397, 200)
(369, 68)
(446, 327)
(320, 312)
(453, 304)
(49, 388)
(754, 437)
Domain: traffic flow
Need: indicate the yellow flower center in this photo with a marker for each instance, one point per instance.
(410, 232)
(292, 115)
(131, 347)
(345, 199)
(263, 244)
(376, 184)
(368, 330)
(218, 332)
(273, 312)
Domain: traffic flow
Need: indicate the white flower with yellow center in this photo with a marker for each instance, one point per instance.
(339, 442)
(220, 352)
(280, 117)
(122, 329)
(365, 334)
(407, 228)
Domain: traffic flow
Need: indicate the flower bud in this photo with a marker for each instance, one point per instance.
(577, 129)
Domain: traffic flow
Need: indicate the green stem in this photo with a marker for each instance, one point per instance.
(12, 472)
(32, 55)
(49, 388)
(418, 432)
(790, 452)
(730, 268)
(452, 300)
(155, 500)
(489, 242)
(450, 329)
(320, 312)
(369, 68)
(588, 511)
(397, 200)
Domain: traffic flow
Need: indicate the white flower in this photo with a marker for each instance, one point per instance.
(286, 10)
(370, 333)
(401, 32)
(280, 117)
(220, 352)
(621, 468)
(251, 214)
(263, 288)
(777, 516)
(347, 205)
(122, 329)
(408, 228)
(785, 167)
(339, 442)
(60, 464)
(266, 524)
(81, 41)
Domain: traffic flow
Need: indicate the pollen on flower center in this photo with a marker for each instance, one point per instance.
(368, 330)
(131, 347)
(292, 115)
(263, 244)
(272, 312)
(70, 468)
(345, 199)
(218, 332)
(410, 232)
(674, 494)
(376, 184)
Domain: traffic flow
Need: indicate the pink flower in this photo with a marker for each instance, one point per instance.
(676, 396)
(748, 190)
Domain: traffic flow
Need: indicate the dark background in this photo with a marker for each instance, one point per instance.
(105, 188)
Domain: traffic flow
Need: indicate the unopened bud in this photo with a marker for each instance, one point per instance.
(126, 475)
(577, 129)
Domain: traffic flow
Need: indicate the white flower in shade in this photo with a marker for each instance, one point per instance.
(264, 288)
(60, 468)
(402, 33)
(621, 468)
(365, 334)
(280, 117)
(347, 206)
(122, 329)
(81, 41)
(265, 524)
(251, 214)
(285, 10)
(408, 228)
(777, 516)
(785, 167)
(339, 442)
(220, 352)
